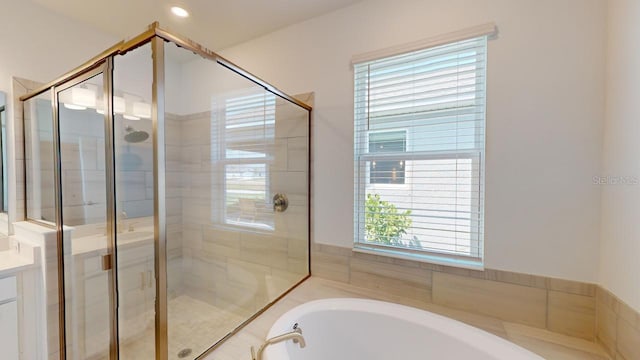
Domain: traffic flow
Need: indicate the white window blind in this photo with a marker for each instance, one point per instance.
(419, 151)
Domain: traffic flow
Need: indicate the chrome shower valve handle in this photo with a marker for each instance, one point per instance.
(280, 202)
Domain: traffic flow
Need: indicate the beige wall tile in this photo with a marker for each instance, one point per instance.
(263, 249)
(516, 278)
(630, 315)
(298, 266)
(226, 251)
(388, 260)
(554, 351)
(628, 340)
(192, 237)
(486, 323)
(298, 248)
(330, 249)
(606, 327)
(297, 154)
(391, 285)
(515, 303)
(607, 299)
(196, 131)
(572, 287)
(291, 121)
(288, 182)
(292, 223)
(459, 271)
(222, 236)
(330, 266)
(551, 337)
(571, 314)
(246, 273)
(618, 326)
(419, 276)
(408, 282)
(279, 152)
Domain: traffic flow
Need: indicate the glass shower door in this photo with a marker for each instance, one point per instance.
(83, 199)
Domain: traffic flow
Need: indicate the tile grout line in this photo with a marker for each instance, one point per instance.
(547, 309)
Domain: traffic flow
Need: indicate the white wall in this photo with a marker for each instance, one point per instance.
(620, 244)
(544, 121)
(40, 45)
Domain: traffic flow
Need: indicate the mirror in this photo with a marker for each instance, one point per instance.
(4, 194)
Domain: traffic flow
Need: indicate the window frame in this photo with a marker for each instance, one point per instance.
(475, 259)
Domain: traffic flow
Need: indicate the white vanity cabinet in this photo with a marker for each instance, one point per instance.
(9, 318)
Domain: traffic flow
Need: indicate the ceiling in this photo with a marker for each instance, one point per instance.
(217, 24)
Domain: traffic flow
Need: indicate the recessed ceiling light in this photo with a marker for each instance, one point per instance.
(180, 12)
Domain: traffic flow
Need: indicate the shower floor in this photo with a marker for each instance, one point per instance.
(193, 324)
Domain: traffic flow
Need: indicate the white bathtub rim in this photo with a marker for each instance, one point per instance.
(503, 349)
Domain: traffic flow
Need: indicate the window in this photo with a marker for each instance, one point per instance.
(419, 152)
(248, 131)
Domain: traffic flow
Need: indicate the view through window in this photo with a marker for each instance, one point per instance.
(419, 147)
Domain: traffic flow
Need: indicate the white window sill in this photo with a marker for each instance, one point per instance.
(421, 257)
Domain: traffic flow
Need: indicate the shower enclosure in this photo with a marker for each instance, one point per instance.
(178, 187)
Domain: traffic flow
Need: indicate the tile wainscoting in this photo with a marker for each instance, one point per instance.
(567, 307)
(549, 345)
(617, 326)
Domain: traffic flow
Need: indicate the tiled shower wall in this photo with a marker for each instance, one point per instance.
(241, 268)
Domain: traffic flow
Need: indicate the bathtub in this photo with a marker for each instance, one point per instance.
(353, 329)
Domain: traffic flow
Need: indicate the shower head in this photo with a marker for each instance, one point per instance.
(135, 136)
